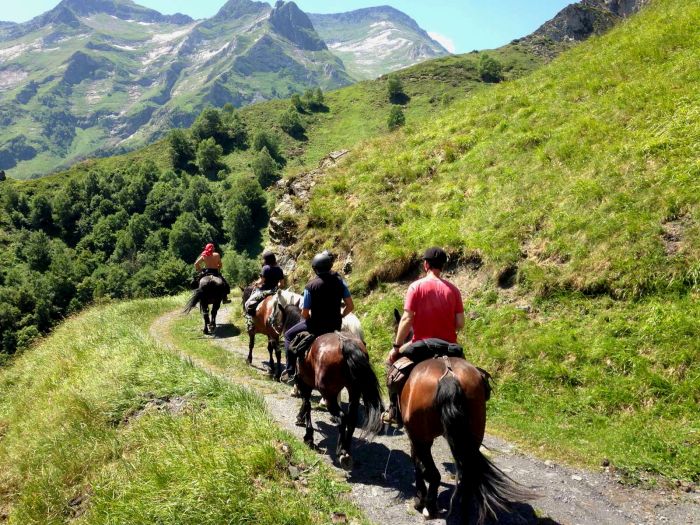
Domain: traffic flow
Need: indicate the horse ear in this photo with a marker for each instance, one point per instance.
(397, 316)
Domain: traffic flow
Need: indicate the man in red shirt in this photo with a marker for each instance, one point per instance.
(433, 309)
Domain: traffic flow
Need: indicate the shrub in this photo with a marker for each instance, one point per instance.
(182, 153)
(209, 156)
(265, 168)
(291, 124)
(395, 90)
(490, 69)
(396, 118)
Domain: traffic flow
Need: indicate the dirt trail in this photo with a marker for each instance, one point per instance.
(382, 478)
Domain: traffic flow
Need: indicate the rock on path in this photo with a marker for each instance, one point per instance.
(382, 478)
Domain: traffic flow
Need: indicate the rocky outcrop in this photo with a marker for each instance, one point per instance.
(292, 205)
(293, 24)
(578, 22)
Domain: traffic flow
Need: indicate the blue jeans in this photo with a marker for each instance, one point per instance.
(289, 335)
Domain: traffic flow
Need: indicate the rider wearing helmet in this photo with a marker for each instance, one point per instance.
(326, 301)
(433, 309)
(209, 263)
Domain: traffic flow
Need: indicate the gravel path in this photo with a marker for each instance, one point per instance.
(382, 478)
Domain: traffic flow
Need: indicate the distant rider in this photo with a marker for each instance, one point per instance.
(271, 278)
(326, 301)
(433, 309)
(209, 263)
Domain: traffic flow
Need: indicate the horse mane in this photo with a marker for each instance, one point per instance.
(291, 315)
(351, 323)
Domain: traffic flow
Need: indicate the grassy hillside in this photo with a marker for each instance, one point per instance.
(99, 424)
(569, 200)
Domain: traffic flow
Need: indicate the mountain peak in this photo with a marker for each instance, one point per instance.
(124, 9)
(292, 23)
(239, 8)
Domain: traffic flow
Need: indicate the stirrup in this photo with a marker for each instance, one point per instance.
(390, 416)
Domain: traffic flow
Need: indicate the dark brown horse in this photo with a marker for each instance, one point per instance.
(336, 361)
(268, 321)
(211, 291)
(447, 396)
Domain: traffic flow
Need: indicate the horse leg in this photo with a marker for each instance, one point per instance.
(214, 311)
(304, 416)
(271, 362)
(278, 357)
(251, 344)
(426, 500)
(348, 424)
(205, 315)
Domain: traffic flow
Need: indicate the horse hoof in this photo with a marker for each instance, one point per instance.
(429, 515)
(418, 504)
(300, 422)
(249, 360)
(346, 462)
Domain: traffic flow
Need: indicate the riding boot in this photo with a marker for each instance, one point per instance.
(391, 415)
(289, 375)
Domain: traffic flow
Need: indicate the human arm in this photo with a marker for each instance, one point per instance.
(349, 306)
(197, 262)
(306, 305)
(459, 321)
(402, 333)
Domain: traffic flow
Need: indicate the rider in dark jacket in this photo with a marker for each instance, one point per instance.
(327, 300)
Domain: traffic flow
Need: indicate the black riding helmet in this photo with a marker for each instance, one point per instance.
(322, 263)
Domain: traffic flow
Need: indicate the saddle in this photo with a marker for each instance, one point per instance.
(301, 344)
(417, 353)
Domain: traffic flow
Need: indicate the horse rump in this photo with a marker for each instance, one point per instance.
(363, 377)
(494, 492)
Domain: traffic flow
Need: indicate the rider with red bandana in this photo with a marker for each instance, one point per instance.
(209, 263)
(433, 309)
(326, 301)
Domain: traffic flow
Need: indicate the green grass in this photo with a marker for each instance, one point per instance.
(71, 428)
(583, 178)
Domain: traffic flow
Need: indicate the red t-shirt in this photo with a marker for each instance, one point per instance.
(435, 303)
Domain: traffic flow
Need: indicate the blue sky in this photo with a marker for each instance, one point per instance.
(461, 25)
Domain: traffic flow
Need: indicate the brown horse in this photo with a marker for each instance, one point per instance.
(268, 321)
(447, 396)
(336, 361)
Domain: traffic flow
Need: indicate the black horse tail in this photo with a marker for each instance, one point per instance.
(362, 376)
(196, 297)
(492, 489)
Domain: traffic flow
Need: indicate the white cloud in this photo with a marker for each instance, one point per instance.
(446, 42)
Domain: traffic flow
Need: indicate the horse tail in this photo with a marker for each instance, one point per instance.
(362, 376)
(196, 297)
(491, 487)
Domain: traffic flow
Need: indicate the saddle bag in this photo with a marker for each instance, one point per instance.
(301, 344)
(398, 374)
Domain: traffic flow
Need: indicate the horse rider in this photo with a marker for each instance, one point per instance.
(326, 301)
(433, 309)
(209, 263)
(271, 277)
